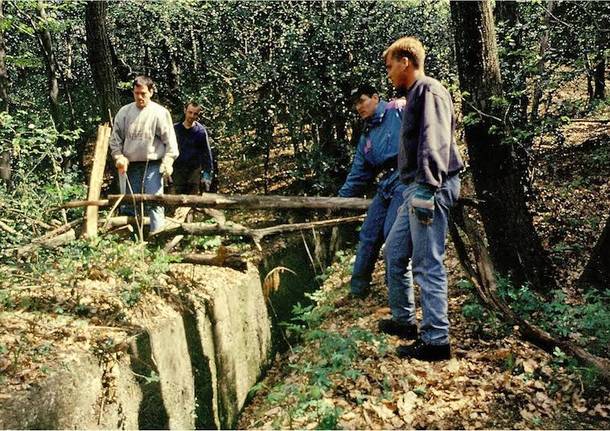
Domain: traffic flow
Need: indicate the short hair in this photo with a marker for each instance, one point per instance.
(366, 89)
(193, 103)
(144, 81)
(408, 47)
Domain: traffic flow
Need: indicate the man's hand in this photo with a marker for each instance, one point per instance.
(166, 168)
(121, 164)
(206, 180)
(423, 203)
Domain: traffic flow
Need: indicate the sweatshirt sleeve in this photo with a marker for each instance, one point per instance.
(435, 136)
(167, 135)
(359, 175)
(117, 137)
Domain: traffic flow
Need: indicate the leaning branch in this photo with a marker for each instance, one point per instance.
(481, 273)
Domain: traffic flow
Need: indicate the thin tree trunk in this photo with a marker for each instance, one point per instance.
(507, 12)
(66, 79)
(597, 271)
(195, 49)
(4, 98)
(46, 45)
(173, 71)
(514, 244)
(544, 46)
(599, 74)
(99, 56)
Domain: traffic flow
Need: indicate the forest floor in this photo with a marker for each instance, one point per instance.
(343, 373)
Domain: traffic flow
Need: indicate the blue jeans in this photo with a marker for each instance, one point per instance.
(139, 174)
(379, 220)
(422, 246)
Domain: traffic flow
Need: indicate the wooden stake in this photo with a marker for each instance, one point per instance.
(97, 177)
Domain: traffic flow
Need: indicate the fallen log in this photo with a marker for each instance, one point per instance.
(221, 259)
(8, 229)
(51, 239)
(590, 120)
(49, 243)
(211, 200)
(256, 235)
(481, 274)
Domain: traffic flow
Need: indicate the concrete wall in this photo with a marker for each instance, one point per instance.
(207, 352)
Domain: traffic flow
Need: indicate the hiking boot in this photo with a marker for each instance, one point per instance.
(406, 331)
(425, 352)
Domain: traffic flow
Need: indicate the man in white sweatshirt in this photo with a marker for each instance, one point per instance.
(143, 145)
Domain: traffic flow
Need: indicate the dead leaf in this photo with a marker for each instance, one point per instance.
(530, 365)
(453, 366)
(406, 403)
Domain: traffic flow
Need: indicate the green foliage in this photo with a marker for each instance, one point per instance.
(137, 269)
(337, 358)
(587, 323)
(485, 322)
(39, 180)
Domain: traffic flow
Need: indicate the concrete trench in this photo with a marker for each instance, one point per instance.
(206, 359)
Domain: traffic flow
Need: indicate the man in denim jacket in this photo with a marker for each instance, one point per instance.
(429, 163)
(375, 156)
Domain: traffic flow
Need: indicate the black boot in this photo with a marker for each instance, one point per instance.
(406, 331)
(425, 352)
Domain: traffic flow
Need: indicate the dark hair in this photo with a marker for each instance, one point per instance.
(192, 102)
(144, 81)
(366, 89)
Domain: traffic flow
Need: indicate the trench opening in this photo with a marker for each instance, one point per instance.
(307, 257)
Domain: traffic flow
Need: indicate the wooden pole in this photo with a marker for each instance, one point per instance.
(97, 177)
(211, 200)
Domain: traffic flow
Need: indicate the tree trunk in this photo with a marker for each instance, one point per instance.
(597, 271)
(544, 46)
(173, 71)
(46, 45)
(507, 12)
(599, 74)
(514, 244)
(99, 55)
(4, 98)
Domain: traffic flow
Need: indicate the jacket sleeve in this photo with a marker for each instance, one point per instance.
(167, 135)
(435, 135)
(359, 176)
(206, 160)
(117, 137)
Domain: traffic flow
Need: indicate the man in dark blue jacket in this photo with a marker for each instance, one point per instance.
(429, 163)
(375, 157)
(193, 169)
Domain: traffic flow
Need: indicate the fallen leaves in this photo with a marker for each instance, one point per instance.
(490, 383)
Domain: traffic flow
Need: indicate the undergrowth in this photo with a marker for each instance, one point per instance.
(585, 323)
(332, 358)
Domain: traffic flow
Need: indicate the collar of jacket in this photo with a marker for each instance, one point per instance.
(376, 119)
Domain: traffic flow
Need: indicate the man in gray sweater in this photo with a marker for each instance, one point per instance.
(143, 145)
(429, 163)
